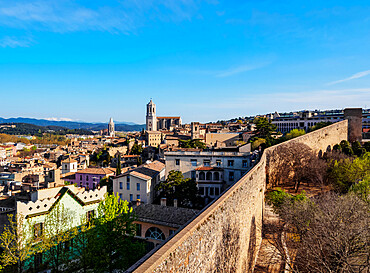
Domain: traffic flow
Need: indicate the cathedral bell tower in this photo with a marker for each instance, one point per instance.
(151, 118)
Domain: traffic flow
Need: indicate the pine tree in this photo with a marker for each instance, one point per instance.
(118, 169)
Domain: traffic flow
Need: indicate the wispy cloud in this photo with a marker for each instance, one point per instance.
(15, 42)
(238, 69)
(59, 119)
(353, 77)
(69, 16)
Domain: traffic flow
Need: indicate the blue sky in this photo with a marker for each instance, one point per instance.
(203, 60)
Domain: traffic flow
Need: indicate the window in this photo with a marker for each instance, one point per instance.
(38, 230)
(120, 186)
(193, 162)
(209, 176)
(177, 162)
(131, 197)
(138, 197)
(211, 191)
(201, 190)
(231, 176)
(217, 191)
(80, 177)
(202, 176)
(206, 163)
(128, 179)
(155, 233)
(138, 186)
(218, 163)
(87, 178)
(138, 230)
(128, 186)
(120, 196)
(216, 176)
(245, 163)
(193, 174)
(230, 163)
(90, 215)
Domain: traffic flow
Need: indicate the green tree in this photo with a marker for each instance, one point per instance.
(115, 220)
(347, 172)
(258, 142)
(320, 125)
(136, 149)
(107, 181)
(16, 243)
(57, 234)
(346, 148)
(184, 190)
(192, 143)
(264, 127)
(295, 133)
(118, 169)
(357, 148)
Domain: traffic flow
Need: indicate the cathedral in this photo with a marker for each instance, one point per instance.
(111, 132)
(154, 123)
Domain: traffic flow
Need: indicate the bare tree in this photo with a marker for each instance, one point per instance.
(329, 233)
(293, 163)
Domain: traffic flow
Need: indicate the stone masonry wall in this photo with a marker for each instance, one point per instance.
(226, 235)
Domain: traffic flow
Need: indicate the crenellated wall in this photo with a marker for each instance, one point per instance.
(226, 235)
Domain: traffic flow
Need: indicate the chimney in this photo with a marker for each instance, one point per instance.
(175, 203)
(138, 202)
(163, 201)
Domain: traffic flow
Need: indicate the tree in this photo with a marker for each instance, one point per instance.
(258, 142)
(16, 243)
(264, 127)
(58, 232)
(118, 169)
(293, 163)
(295, 133)
(115, 220)
(328, 233)
(320, 125)
(107, 181)
(192, 143)
(347, 172)
(136, 149)
(184, 190)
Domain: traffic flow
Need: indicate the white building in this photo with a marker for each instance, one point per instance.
(139, 183)
(69, 165)
(212, 170)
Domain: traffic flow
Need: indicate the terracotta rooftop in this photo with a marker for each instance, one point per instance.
(146, 171)
(164, 215)
(69, 160)
(103, 171)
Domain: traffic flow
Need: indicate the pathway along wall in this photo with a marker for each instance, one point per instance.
(226, 235)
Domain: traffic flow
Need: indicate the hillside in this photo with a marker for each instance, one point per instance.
(31, 129)
(74, 125)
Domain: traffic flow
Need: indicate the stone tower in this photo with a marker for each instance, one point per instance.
(111, 132)
(354, 116)
(151, 118)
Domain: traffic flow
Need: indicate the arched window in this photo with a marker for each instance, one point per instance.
(202, 176)
(155, 233)
(209, 176)
(216, 176)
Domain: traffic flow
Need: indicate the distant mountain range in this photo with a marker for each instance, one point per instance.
(119, 126)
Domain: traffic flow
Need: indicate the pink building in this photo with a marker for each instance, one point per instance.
(90, 177)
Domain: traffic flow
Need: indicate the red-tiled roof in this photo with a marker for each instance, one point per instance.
(103, 171)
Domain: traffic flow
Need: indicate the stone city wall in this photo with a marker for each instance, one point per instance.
(226, 235)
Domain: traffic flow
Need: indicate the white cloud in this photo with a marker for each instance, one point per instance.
(68, 15)
(59, 119)
(15, 42)
(354, 76)
(237, 70)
